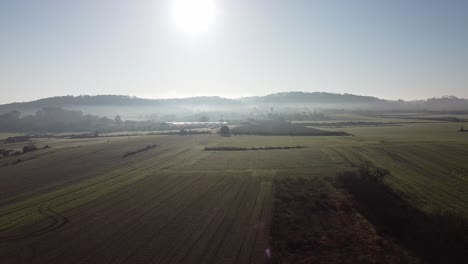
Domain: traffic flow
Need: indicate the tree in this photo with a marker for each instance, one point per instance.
(371, 173)
(118, 120)
(183, 132)
(204, 119)
(29, 148)
(12, 115)
(225, 131)
(10, 120)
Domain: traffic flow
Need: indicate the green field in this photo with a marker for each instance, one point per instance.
(81, 201)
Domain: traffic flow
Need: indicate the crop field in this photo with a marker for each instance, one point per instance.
(88, 204)
(7, 135)
(427, 161)
(432, 180)
(173, 201)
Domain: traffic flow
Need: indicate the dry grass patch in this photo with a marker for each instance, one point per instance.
(314, 223)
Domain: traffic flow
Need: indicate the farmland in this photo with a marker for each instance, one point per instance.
(182, 201)
(132, 206)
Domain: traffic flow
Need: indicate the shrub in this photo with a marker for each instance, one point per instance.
(148, 147)
(371, 173)
(347, 178)
(225, 131)
(183, 132)
(5, 152)
(440, 237)
(29, 148)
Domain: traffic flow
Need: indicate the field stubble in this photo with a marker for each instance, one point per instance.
(81, 202)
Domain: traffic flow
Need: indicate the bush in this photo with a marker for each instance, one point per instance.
(368, 172)
(371, 173)
(5, 152)
(440, 237)
(29, 148)
(251, 148)
(183, 132)
(225, 131)
(148, 147)
(347, 178)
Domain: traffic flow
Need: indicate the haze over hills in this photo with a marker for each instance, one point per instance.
(110, 105)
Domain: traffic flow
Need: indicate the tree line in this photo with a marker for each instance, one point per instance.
(55, 120)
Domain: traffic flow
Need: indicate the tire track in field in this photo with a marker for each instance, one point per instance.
(99, 182)
(193, 203)
(125, 179)
(252, 219)
(115, 239)
(420, 170)
(58, 221)
(227, 237)
(102, 181)
(233, 206)
(95, 187)
(84, 160)
(343, 156)
(117, 225)
(207, 219)
(262, 215)
(445, 192)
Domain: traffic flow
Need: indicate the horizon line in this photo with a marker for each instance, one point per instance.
(230, 98)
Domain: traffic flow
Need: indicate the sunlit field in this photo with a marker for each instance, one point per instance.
(85, 198)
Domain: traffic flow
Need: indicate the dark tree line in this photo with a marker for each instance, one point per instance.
(55, 120)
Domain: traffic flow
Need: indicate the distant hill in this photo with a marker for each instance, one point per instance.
(113, 100)
(315, 97)
(110, 105)
(133, 107)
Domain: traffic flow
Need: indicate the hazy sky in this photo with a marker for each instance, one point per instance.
(388, 48)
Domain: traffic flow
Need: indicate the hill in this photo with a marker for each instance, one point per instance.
(315, 97)
(111, 105)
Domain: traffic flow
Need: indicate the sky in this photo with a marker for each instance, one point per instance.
(392, 49)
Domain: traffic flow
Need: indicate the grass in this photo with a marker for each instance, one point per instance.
(179, 203)
(440, 237)
(281, 128)
(149, 199)
(412, 132)
(247, 148)
(434, 176)
(4, 136)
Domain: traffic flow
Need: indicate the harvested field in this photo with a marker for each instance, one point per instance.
(247, 148)
(81, 202)
(152, 210)
(148, 147)
(419, 171)
(277, 128)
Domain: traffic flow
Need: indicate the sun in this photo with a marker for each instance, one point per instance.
(194, 16)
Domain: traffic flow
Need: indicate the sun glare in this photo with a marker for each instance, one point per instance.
(194, 16)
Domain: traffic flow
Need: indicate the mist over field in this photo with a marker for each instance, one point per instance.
(112, 113)
(186, 109)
